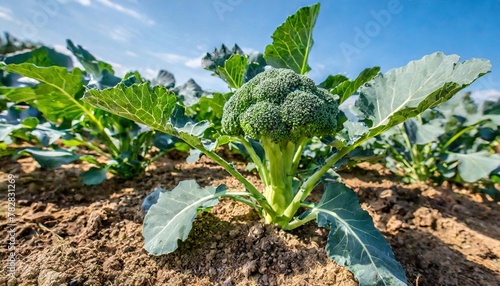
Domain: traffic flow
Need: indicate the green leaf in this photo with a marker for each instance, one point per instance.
(57, 95)
(155, 107)
(88, 61)
(164, 78)
(292, 41)
(94, 176)
(353, 241)
(333, 81)
(50, 158)
(151, 106)
(392, 98)
(102, 73)
(171, 218)
(233, 71)
(6, 130)
(256, 65)
(347, 88)
(194, 156)
(211, 61)
(210, 107)
(42, 57)
(422, 134)
(189, 93)
(354, 130)
(21, 125)
(45, 133)
(475, 166)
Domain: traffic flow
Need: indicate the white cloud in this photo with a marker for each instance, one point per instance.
(127, 11)
(7, 14)
(487, 94)
(194, 63)
(171, 58)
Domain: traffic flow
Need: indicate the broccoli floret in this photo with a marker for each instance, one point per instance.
(280, 105)
(282, 110)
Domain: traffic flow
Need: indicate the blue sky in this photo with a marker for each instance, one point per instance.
(349, 36)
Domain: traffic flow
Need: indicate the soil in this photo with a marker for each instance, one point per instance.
(69, 234)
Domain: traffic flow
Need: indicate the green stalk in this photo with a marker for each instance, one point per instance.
(288, 150)
(239, 196)
(263, 172)
(232, 170)
(298, 154)
(456, 136)
(92, 147)
(161, 153)
(409, 146)
(275, 191)
(296, 223)
(311, 182)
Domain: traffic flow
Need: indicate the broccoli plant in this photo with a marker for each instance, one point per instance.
(274, 115)
(283, 111)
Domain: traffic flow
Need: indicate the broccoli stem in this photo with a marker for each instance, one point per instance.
(308, 185)
(276, 191)
(232, 170)
(263, 172)
(298, 154)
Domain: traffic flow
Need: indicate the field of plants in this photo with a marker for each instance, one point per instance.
(111, 180)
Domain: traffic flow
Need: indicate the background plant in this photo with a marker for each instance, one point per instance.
(43, 108)
(454, 141)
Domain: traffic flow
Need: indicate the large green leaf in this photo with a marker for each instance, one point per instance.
(346, 88)
(171, 218)
(475, 166)
(57, 95)
(151, 106)
(293, 40)
(233, 71)
(392, 98)
(353, 241)
(155, 107)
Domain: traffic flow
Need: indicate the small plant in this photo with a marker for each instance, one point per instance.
(273, 116)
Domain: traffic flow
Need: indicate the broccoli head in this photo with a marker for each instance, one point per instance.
(280, 105)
